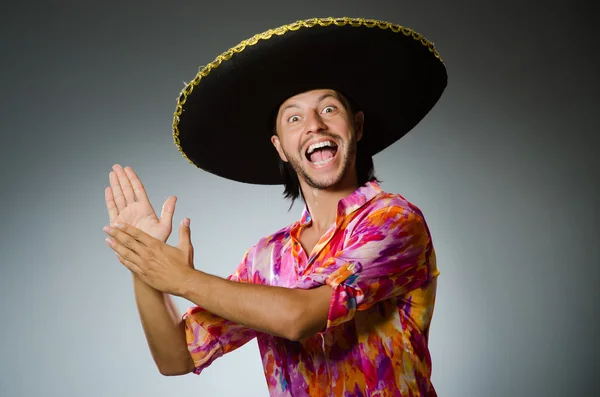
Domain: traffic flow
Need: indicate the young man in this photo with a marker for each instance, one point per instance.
(340, 301)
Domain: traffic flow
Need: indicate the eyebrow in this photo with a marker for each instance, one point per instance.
(321, 98)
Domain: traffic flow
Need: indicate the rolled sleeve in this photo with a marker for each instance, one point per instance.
(343, 303)
(386, 256)
(209, 336)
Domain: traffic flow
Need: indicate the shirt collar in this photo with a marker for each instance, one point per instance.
(350, 203)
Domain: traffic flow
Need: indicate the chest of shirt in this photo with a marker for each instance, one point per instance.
(285, 263)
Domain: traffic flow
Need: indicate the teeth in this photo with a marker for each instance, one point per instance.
(314, 146)
(323, 161)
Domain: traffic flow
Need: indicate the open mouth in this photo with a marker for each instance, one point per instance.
(321, 153)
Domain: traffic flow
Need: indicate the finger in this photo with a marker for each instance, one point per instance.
(130, 265)
(126, 249)
(125, 184)
(116, 190)
(136, 183)
(113, 212)
(122, 243)
(133, 236)
(168, 209)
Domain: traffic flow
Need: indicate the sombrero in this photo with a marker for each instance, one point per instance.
(223, 119)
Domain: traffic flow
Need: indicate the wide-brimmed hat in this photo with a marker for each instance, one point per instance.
(223, 119)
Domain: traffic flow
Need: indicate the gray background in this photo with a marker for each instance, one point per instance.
(504, 169)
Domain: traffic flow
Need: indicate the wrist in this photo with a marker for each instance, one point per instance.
(188, 284)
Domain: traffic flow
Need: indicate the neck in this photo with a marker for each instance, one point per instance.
(322, 203)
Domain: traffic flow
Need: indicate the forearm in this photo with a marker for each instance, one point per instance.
(163, 328)
(274, 310)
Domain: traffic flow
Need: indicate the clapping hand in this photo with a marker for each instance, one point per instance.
(140, 240)
(161, 266)
(127, 203)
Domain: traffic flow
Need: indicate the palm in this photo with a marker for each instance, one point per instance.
(127, 202)
(142, 216)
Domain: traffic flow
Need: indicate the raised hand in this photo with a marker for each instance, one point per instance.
(159, 265)
(127, 202)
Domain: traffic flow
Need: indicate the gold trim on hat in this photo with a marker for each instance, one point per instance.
(308, 23)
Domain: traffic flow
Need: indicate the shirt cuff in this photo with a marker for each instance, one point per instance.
(346, 297)
(202, 345)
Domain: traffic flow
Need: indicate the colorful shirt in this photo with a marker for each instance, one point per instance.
(380, 262)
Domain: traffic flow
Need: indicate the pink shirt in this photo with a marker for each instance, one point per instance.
(380, 262)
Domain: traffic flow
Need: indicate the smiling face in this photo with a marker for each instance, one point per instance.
(317, 136)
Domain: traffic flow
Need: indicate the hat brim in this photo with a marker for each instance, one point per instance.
(222, 123)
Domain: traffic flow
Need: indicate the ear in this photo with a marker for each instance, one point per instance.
(359, 123)
(275, 141)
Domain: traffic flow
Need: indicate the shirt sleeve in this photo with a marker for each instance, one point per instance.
(386, 256)
(209, 336)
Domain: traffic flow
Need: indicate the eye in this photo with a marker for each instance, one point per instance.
(293, 119)
(329, 109)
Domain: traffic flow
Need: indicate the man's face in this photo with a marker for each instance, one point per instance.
(317, 136)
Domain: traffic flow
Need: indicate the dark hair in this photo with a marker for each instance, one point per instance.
(365, 169)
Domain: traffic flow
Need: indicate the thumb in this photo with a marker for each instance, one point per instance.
(185, 235)
(168, 209)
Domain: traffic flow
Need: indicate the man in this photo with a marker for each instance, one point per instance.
(340, 301)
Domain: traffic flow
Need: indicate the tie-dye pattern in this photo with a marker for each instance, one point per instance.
(380, 262)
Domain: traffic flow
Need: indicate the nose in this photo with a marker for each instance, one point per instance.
(314, 123)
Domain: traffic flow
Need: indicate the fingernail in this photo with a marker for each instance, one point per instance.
(186, 222)
(106, 229)
(119, 225)
(109, 240)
